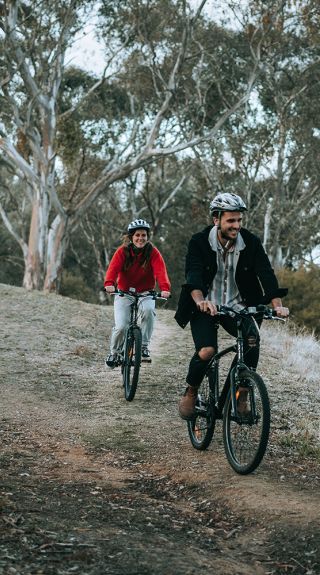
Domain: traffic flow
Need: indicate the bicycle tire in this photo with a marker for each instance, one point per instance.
(201, 427)
(245, 442)
(131, 362)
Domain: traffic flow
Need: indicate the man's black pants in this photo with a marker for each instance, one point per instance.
(204, 329)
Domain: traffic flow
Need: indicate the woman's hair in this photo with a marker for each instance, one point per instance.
(131, 254)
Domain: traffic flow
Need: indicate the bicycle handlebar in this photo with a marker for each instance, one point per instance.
(260, 311)
(154, 294)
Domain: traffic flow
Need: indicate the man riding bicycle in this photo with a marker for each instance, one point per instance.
(225, 265)
(136, 264)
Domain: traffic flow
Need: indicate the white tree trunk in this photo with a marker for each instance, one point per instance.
(279, 259)
(57, 243)
(36, 258)
(267, 223)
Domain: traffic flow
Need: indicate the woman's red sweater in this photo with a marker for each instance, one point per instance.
(136, 276)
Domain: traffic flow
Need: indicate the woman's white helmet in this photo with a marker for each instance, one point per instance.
(138, 225)
(226, 202)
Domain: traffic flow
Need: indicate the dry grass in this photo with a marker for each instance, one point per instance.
(93, 484)
(298, 354)
(301, 352)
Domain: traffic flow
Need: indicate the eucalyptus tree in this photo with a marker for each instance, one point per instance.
(268, 150)
(64, 146)
(34, 39)
(288, 92)
(274, 146)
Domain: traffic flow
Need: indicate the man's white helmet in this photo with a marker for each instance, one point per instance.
(138, 225)
(225, 202)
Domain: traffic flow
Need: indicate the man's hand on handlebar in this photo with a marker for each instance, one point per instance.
(110, 289)
(207, 307)
(202, 304)
(279, 309)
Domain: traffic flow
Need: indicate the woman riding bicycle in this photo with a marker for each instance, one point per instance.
(137, 264)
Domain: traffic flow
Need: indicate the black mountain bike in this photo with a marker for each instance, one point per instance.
(245, 436)
(130, 361)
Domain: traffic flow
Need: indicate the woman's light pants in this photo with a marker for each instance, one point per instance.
(146, 317)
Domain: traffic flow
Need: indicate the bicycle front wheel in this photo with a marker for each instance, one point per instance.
(201, 427)
(131, 362)
(246, 438)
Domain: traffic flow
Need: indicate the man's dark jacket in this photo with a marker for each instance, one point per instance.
(255, 277)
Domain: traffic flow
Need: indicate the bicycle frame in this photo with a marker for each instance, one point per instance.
(245, 432)
(216, 398)
(134, 305)
(132, 346)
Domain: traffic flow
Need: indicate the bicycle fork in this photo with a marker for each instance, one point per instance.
(213, 378)
(235, 380)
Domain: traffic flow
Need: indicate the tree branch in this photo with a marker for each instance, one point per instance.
(19, 161)
(12, 231)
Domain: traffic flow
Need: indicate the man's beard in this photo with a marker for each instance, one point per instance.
(225, 237)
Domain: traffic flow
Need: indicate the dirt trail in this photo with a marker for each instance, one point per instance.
(91, 484)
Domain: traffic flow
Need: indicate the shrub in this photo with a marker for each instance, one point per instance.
(303, 297)
(74, 286)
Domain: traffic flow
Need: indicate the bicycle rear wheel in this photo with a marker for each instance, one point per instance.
(246, 438)
(131, 362)
(201, 427)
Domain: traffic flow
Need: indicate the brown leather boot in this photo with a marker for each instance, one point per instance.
(187, 402)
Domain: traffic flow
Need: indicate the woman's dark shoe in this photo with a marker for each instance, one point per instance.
(145, 355)
(112, 360)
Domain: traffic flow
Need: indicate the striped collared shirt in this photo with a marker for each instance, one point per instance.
(224, 290)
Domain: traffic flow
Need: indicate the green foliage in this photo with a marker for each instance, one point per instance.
(303, 297)
(267, 150)
(94, 242)
(11, 261)
(109, 100)
(73, 285)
